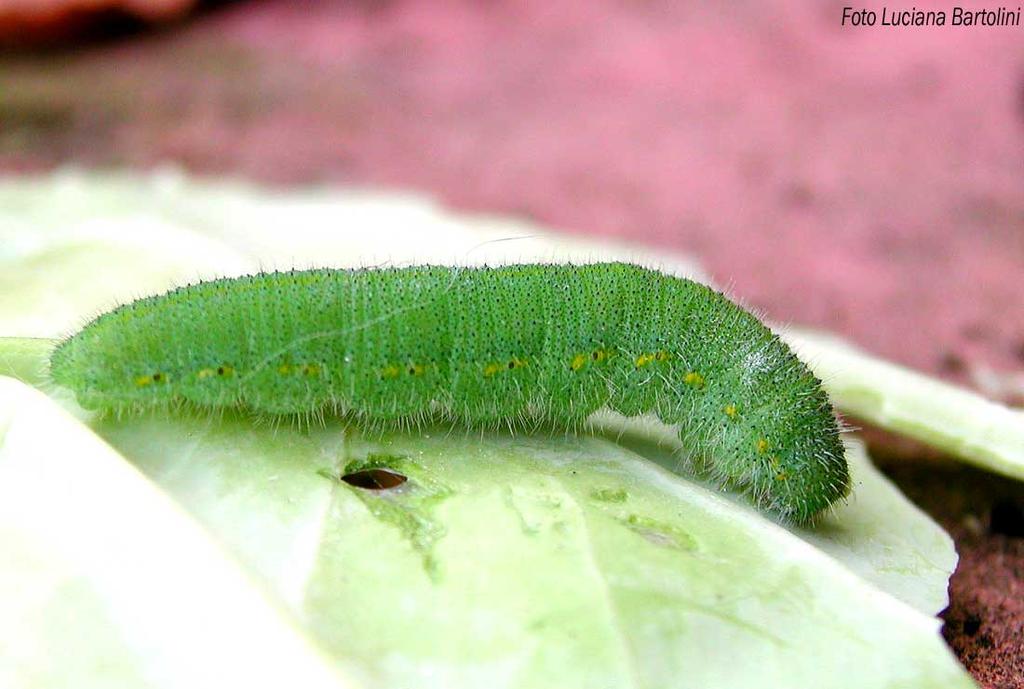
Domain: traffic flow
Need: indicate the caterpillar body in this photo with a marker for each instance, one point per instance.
(480, 346)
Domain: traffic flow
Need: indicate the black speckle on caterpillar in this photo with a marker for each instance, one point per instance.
(481, 346)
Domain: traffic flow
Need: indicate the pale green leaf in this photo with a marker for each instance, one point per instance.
(535, 560)
(106, 582)
(952, 419)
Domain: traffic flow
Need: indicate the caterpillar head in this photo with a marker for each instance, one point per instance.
(807, 473)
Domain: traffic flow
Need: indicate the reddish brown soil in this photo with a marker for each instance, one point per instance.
(865, 181)
(985, 516)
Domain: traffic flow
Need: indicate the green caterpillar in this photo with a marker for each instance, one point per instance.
(481, 346)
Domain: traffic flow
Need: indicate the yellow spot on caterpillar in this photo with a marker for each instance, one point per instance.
(311, 369)
(391, 371)
(762, 445)
(694, 379)
(416, 370)
(514, 362)
(661, 356)
(578, 362)
(730, 411)
(284, 369)
(143, 381)
(600, 355)
(644, 359)
(781, 476)
(225, 371)
(205, 373)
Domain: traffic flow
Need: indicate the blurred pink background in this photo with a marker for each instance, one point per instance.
(862, 180)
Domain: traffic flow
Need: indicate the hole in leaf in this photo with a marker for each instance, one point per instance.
(375, 478)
